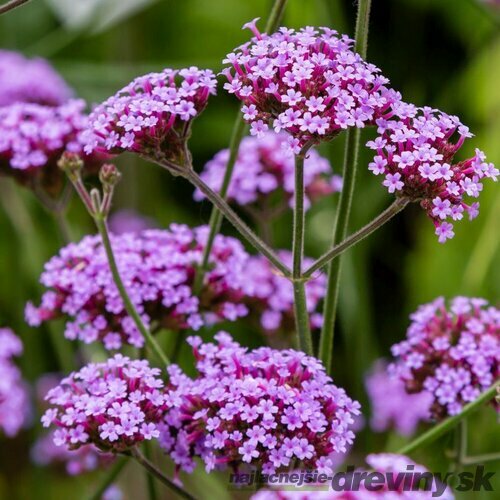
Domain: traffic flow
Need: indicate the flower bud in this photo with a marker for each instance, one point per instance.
(109, 176)
(71, 164)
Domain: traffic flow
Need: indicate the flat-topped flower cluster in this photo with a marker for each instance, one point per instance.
(158, 268)
(14, 399)
(450, 352)
(266, 408)
(415, 153)
(309, 83)
(113, 405)
(265, 167)
(30, 80)
(152, 114)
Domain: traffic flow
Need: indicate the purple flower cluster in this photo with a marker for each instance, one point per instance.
(264, 167)
(265, 408)
(14, 401)
(30, 80)
(158, 268)
(33, 138)
(309, 83)
(392, 406)
(270, 296)
(84, 459)
(390, 465)
(452, 353)
(415, 154)
(152, 114)
(113, 405)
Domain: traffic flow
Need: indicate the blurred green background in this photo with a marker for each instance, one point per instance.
(442, 53)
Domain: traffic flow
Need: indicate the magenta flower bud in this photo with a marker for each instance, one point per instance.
(114, 405)
(109, 176)
(415, 153)
(263, 408)
(71, 164)
(152, 115)
(159, 267)
(30, 80)
(14, 399)
(265, 168)
(451, 352)
(309, 83)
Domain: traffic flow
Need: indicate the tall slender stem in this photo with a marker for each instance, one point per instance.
(109, 478)
(13, 4)
(236, 136)
(129, 306)
(356, 237)
(302, 323)
(344, 208)
(152, 494)
(152, 469)
(448, 424)
(216, 215)
(233, 218)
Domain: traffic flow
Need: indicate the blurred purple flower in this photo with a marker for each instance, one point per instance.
(158, 267)
(30, 80)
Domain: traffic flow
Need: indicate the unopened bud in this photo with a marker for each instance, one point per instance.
(71, 164)
(109, 176)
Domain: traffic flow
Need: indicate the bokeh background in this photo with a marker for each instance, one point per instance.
(442, 53)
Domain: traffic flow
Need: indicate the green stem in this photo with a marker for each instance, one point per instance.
(129, 306)
(446, 425)
(109, 478)
(149, 478)
(216, 215)
(63, 227)
(481, 459)
(239, 128)
(359, 235)
(302, 323)
(13, 4)
(152, 469)
(233, 218)
(344, 208)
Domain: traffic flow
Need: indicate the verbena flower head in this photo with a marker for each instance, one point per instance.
(392, 406)
(451, 352)
(75, 462)
(398, 482)
(30, 80)
(265, 168)
(158, 269)
(113, 405)
(415, 154)
(33, 137)
(270, 298)
(309, 83)
(264, 408)
(14, 400)
(152, 115)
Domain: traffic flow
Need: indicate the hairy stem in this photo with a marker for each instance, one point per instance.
(302, 323)
(129, 306)
(344, 208)
(233, 218)
(234, 145)
(13, 4)
(152, 495)
(446, 425)
(109, 478)
(359, 235)
(152, 469)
